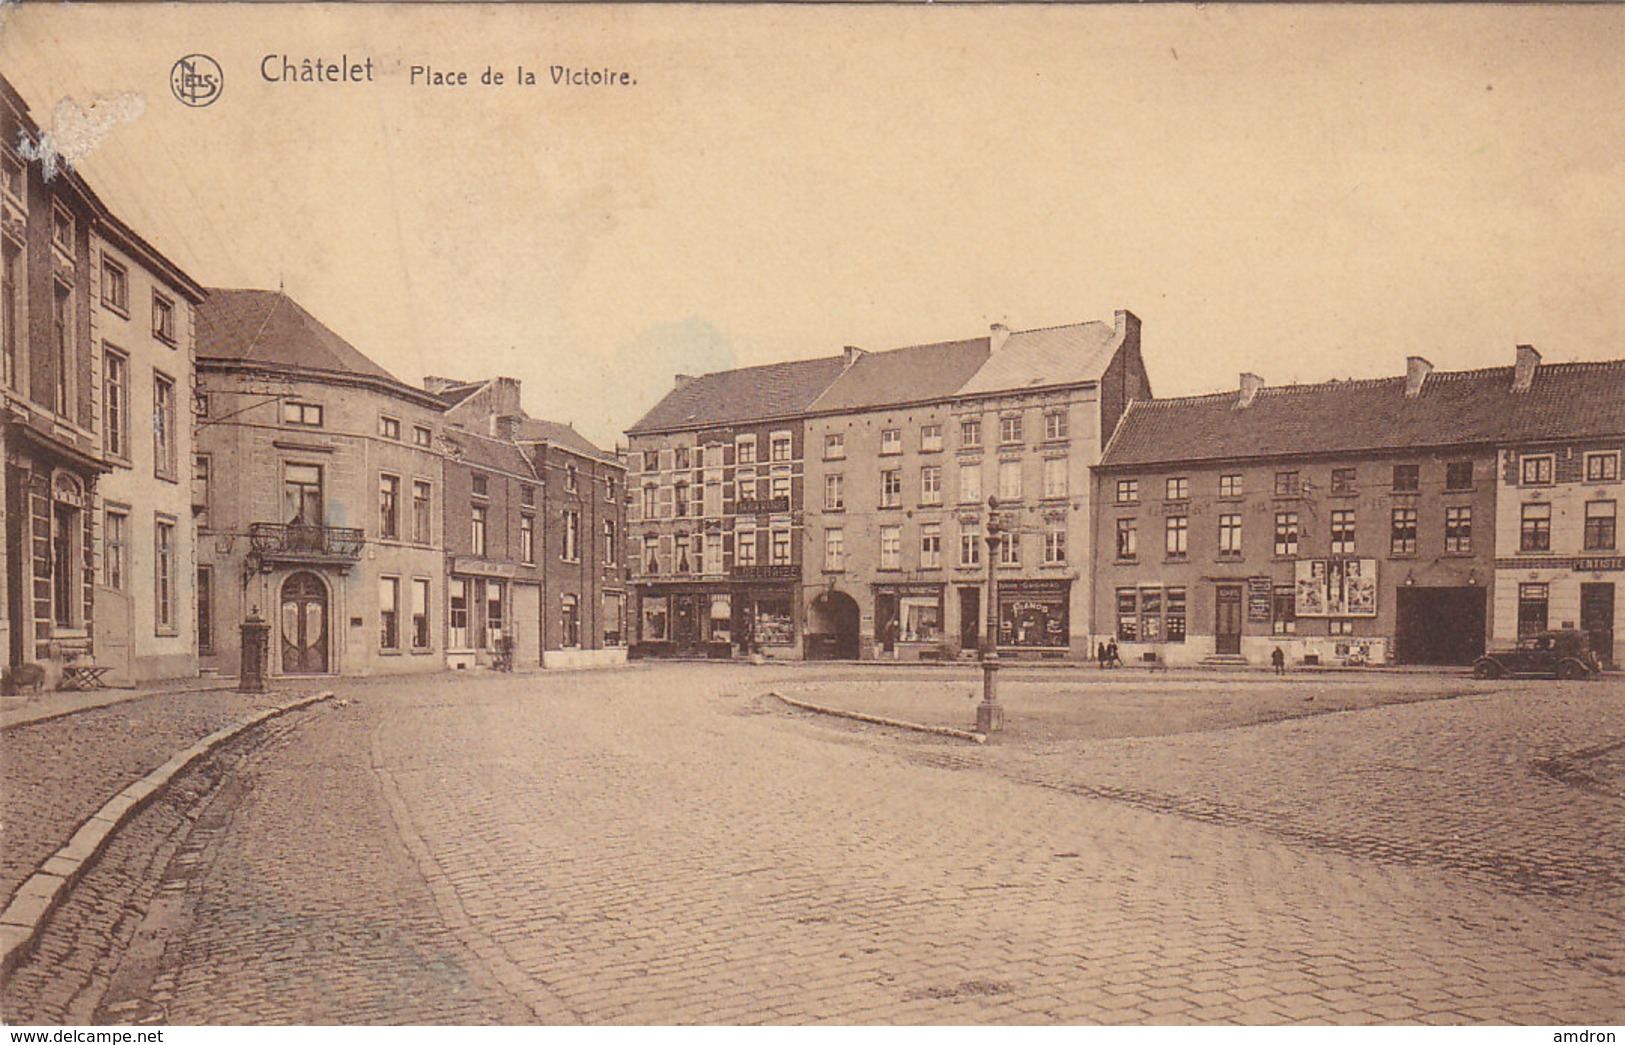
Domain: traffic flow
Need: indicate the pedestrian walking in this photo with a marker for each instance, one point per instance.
(1112, 657)
(1278, 660)
(1100, 655)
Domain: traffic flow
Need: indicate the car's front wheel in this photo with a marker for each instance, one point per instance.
(1486, 669)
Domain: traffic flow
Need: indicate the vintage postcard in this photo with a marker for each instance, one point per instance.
(766, 514)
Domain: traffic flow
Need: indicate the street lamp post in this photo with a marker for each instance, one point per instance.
(989, 713)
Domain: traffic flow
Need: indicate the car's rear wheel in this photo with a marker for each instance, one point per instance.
(1572, 670)
(1486, 669)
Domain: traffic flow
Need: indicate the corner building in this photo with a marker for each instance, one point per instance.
(907, 448)
(717, 514)
(322, 496)
(1557, 530)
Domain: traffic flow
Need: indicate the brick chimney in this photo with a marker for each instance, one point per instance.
(682, 381)
(1127, 324)
(1417, 370)
(505, 427)
(504, 397)
(437, 385)
(1523, 371)
(997, 335)
(851, 354)
(1251, 385)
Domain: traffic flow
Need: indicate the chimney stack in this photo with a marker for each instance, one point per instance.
(998, 334)
(682, 381)
(437, 385)
(505, 427)
(1251, 385)
(1523, 371)
(1417, 370)
(851, 354)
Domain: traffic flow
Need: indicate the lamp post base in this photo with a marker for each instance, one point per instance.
(990, 713)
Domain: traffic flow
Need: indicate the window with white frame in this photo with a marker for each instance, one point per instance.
(930, 438)
(1343, 532)
(389, 613)
(779, 547)
(1055, 477)
(745, 548)
(1536, 470)
(891, 488)
(571, 552)
(527, 538)
(970, 544)
(931, 484)
(1055, 425)
(1402, 530)
(1535, 528)
(1230, 486)
(1602, 467)
(1286, 534)
(163, 426)
(115, 286)
(1230, 536)
(1176, 536)
(1010, 548)
(1010, 429)
(1009, 480)
(713, 552)
(835, 549)
(1600, 525)
(781, 446)
(1177, 488)
(930, 546)
(970, 433)
(745, 450)
(891, 547)
(1128, 491)
(834, 446)
(891, 441)
(420, 613)
(611, 552)
(305, 415)
(834, 492)
(1055, 546)
(389, 427)
(1128, 539)
(422, 512)
(164, 574)
(115, 547)
(163, 318)
(115, 401)
(970, 483)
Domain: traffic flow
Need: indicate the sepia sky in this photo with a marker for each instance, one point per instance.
(1307, 193)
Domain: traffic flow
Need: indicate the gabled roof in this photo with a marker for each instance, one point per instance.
(269, 327)
(1454, 408)
(756, 393)
(1072, 354)
(563, 436)
(453, 396)
(904, 375)
(481, 451)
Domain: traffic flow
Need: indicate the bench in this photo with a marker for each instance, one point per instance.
(83, 677)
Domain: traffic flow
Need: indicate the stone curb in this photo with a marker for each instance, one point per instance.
(31, 906)
(896, 723)
(124, 697)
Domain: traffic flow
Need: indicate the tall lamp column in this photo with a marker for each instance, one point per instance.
(989, 713)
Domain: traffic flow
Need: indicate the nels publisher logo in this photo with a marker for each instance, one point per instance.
(197, 80)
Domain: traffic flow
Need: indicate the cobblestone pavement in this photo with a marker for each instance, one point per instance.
(665, 845)
(56, 773)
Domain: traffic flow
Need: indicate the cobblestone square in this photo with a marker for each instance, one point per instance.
(672, 844)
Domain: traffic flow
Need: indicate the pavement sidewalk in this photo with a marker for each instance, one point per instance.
(15, 710)
(63, 756)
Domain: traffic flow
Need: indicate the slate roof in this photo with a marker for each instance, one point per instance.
(267, 326)
(554, 433)
(452, 396)
(905, 375)
(1064, 355)
(749, 394)
(484, 452)
(1455, 408)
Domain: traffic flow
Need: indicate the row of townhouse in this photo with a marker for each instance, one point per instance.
(96, 383)
(845, 507)
(379, 528)
(1408, 519)
(839, 507)
(179, 460)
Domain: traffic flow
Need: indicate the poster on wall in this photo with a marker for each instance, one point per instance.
(1336, 588)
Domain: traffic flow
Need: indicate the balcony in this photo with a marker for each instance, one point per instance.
(300, 543)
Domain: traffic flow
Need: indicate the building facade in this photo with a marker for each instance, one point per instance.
(97, 547)
(321, 490)
(1363, 522)
(717, 511)
(915, 451)
(1557, 551)
(558, 551)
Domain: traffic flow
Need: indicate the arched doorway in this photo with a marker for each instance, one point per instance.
(832, 627)
(304, 625)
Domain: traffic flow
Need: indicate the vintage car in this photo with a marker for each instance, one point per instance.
(1564, 654)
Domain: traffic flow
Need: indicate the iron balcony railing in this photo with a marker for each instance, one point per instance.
(298, 542)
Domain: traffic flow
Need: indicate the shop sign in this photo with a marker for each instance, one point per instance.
(1599, 565)
(761, 505)
(1033, 614)
(932, 590)
(785, 571)
(1336, 588)
(1260, 599)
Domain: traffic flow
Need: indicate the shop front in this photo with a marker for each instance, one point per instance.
(1034, 616)
(909, 622)
(716, 619)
